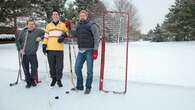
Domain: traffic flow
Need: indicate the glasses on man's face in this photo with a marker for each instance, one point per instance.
(55, 14)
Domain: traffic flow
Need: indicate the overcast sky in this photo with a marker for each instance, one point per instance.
(150, 12)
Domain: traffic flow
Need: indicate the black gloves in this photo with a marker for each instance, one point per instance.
(44, 48)
(61, 38)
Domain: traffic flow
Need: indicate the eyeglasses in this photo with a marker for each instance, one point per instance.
(55, 14)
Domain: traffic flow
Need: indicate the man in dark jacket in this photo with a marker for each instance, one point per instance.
(88, 41)
(27, 44)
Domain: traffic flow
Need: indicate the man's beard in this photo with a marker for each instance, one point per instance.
(82, 20)
(31, 29)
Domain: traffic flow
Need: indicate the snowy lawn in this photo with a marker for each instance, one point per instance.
(161, 77)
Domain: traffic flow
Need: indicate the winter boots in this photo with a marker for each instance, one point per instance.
(54, 80)
(59, 83)
(87, 91)
(30, 83)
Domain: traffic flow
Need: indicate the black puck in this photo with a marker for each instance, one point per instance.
(67, 92)
(57, 97)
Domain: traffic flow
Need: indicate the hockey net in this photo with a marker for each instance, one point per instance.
(114, 52)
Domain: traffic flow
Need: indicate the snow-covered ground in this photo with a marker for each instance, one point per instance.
(161, 77)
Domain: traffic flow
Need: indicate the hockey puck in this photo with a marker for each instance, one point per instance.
(57, 97)
(67, 92)
(10, 84)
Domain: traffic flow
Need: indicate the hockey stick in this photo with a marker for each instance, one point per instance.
(20, 57)
(19, 72)
(73, 48)
(20, 66)
(71, 71)
(47, 77)
(46, 65)
(37, 78)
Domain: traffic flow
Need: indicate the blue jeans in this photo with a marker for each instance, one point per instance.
(80, 60)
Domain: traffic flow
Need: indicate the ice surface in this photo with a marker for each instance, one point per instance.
(161, 77)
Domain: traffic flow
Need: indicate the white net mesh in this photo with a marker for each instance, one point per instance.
(115, 31)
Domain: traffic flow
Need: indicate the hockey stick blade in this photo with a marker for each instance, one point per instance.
(13, 84)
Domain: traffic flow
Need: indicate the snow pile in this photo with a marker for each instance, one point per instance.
(7, 36)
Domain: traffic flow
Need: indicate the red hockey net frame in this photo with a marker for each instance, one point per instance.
(103, 45)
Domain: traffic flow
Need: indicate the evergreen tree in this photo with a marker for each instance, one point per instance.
(70, 11)
(157, 34)
(95, 7)
(43, 8)
(149, 36)
(180, 21)
(10, 9)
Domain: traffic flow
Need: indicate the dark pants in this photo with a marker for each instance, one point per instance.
(56, 63)
(81, 58)
(30, 61)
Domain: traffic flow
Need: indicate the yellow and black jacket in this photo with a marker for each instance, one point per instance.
(52, 33)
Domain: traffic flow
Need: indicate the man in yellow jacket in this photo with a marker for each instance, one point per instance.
(53, 46)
